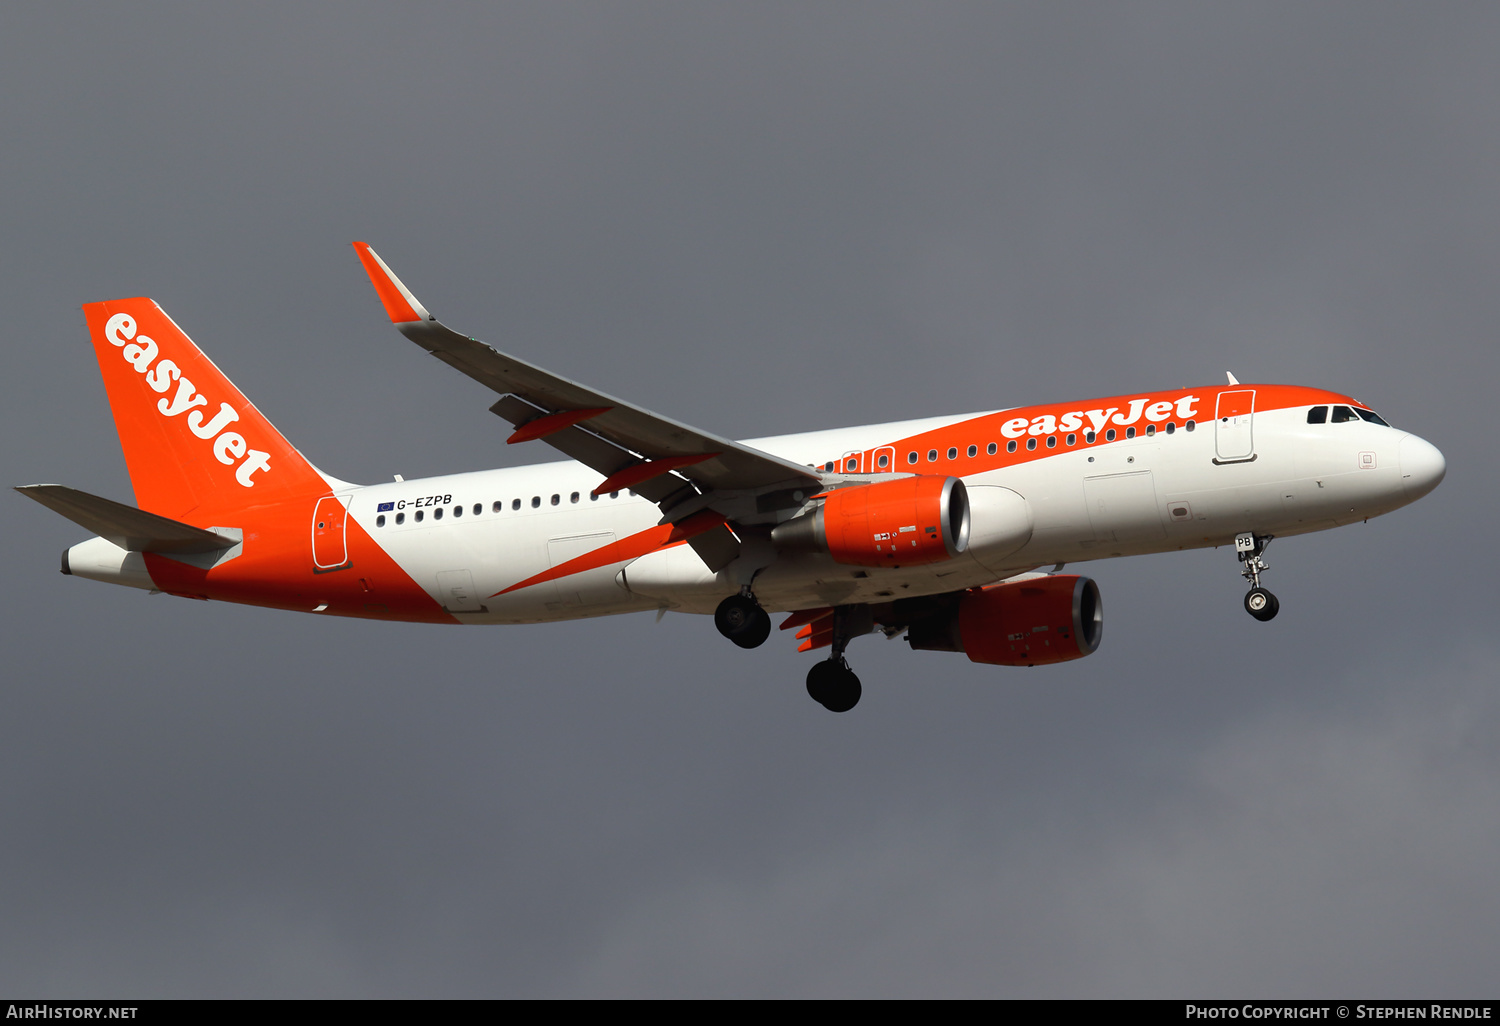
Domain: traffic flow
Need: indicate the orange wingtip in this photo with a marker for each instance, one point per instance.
(400, 305)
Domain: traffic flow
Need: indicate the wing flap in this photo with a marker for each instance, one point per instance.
(592, 451)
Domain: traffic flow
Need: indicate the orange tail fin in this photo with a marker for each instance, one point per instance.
(194, 445)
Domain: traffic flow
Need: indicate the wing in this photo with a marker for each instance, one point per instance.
(680, 468)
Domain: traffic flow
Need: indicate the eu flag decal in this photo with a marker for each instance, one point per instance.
(385, 507)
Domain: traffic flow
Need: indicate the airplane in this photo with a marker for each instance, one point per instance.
(940, 529)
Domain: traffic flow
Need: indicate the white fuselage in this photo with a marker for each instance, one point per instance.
(1125, 497)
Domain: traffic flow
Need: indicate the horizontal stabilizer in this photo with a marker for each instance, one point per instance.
(129, 528)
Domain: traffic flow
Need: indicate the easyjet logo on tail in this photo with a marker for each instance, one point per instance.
(228, 447)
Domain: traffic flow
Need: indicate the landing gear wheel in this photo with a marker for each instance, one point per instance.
(833, 686)
(741, 620)
(1261, 604)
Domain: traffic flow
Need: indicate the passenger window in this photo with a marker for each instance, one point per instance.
(1371, 416)
(437, 514)
(536, 502)
(884, 460)
(573, 497)
(1191, 425)
(614, 495)
(1089, 436)
(1171, 427)
(400, 518)
(827, 466)
(1109, 436)
(497, 507)
(1010, 446)
(973, 451)
(1150, 430)
(593, 496)
(911, 457)
(515, 503)
(1317, 415)
(1130, 432)
(458, 511)
(990, 449)
(1072, 439)
(556, 498)
(1342, 414)
(931, 455)
(478, 508)
(380, 520)
(850, 466)
(418, 517)
(1052, 441)
(953, 452)
(1030, 443)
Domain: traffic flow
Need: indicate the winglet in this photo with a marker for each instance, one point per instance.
(400, 305)
(1228, 374)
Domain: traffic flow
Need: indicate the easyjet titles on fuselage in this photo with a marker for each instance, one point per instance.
(1047, 424)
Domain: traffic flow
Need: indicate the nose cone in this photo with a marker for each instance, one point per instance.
(1422, 467)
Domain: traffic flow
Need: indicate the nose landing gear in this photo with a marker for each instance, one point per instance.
(741, 619)
(1259, 602)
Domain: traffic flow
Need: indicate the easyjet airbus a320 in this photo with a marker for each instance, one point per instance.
(936, 528)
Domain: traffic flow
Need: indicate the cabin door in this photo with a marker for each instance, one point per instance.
(1233, 426)
(330, 549)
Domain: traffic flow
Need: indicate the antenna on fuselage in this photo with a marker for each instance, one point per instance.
(1232, 379)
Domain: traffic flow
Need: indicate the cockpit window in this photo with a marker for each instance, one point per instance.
(1317, 415)
(1342, 414)
(1371, 416)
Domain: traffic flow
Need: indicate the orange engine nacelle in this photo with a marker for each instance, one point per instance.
(907, 522)
(1023, 623)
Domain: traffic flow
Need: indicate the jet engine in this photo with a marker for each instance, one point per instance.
(910, 521)
(1019, 623)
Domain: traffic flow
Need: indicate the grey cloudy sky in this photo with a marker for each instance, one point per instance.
(757, 218)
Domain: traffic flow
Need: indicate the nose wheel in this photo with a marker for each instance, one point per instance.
(1259, 602)
(741, 619)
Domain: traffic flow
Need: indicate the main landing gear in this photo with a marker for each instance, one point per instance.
(831, 683)
(741, 620)
(1259, 602)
